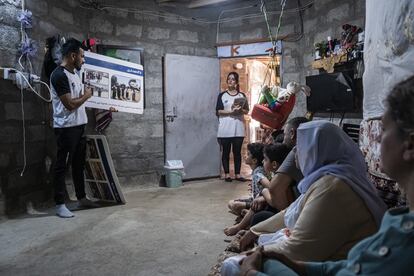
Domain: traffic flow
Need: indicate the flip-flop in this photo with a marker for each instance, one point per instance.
(228, 179)
(241, 179)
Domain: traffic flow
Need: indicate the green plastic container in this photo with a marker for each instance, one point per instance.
(173, 178)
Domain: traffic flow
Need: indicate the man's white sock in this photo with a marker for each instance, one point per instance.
(63, 212)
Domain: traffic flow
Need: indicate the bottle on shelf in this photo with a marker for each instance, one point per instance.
(330, 46)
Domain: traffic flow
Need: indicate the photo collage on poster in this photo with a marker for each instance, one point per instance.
(115, 83)
(98, 82)
(100, 177)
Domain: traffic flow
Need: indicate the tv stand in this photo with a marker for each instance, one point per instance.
(329, 63)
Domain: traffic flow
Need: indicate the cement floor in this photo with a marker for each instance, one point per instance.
(160, 231)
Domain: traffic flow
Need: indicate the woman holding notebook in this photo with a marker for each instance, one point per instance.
(231, 107)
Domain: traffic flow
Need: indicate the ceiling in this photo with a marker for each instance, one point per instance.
(203, 10)
(193, 4)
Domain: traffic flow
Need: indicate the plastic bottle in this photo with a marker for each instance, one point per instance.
(330, 46)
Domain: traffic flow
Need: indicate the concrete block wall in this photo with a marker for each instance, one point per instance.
(33, 185)
(22, 184)
(136, 141)
(324, 18)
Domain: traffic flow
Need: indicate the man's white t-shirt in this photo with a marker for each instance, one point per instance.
(63, 81)
(230, 126)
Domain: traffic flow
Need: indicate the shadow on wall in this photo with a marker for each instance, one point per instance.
(33, 186)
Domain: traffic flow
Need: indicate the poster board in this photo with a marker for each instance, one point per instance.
(114, 82)
(101, 181)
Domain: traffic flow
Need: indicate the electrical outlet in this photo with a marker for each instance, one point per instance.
(34, 78)
(21, 79)
(9, 74)
(21, 82)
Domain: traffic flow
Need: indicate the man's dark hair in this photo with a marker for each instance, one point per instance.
(400, 103)
(277, 136)
(295, 122)
(71, 46)
(277, 152)
(256, 150)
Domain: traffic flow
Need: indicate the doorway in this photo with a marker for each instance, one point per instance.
(252, 73)
(190, 123)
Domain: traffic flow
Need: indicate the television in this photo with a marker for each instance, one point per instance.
(333, 92)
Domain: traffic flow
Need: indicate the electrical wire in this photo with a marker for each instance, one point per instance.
(24, 132)
(22, 109)
(24, 39)
(93, 5)
(288, 38)
(226, 11)
(282, 4)
(24, 36)
(300, 11)
(30, 86)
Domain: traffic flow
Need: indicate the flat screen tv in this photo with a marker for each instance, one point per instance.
(334, 92)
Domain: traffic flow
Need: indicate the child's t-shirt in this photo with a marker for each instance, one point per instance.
(257, 175)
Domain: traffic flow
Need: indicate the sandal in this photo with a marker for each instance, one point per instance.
(241, 179)
(228, 179)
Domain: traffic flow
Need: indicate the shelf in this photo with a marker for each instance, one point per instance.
(328, 63)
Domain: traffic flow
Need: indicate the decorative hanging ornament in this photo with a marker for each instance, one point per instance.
(25, 18)
(28, 47)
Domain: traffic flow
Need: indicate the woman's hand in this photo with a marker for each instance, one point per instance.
(298, 267)
(237, 110)
(225, 113)
(252, 263)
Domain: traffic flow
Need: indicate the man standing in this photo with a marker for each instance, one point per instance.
(69, 120)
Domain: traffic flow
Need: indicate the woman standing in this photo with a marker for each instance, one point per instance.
(231, 107)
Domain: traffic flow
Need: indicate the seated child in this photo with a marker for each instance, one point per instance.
(254, 159)
(273, 156)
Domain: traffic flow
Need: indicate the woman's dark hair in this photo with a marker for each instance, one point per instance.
(256, 150)
(276, 152)
(235, 75)
(71, 46)
(400, 104)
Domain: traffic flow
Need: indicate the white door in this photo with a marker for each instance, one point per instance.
(191, 86)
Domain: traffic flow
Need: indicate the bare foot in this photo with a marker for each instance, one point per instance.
(231, 230)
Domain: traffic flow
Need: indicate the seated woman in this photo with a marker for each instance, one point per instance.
(337, 207)
(387, 252)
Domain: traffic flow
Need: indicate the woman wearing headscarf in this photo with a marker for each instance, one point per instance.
(390, 250)
(338, 206)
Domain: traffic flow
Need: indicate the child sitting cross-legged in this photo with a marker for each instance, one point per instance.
(273, 156)
(254, 159)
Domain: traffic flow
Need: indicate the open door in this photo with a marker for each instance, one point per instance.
(191, 86)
